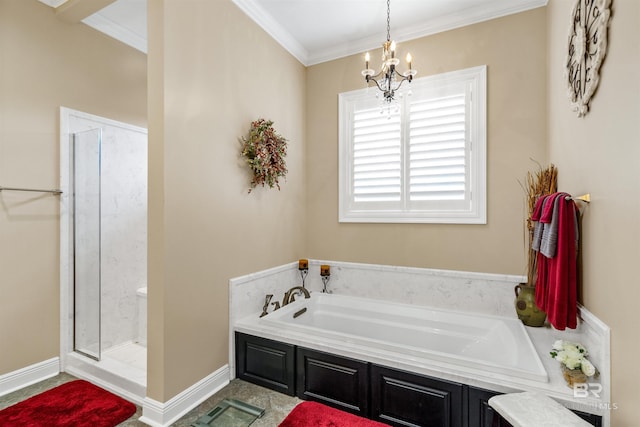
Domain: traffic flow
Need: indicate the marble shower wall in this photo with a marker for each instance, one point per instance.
(124, 231)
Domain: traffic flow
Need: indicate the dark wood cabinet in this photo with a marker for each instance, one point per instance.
(594, 420)
(388, 395)
(405, 399)
(480, 413)
(266, 362)
(336, 381)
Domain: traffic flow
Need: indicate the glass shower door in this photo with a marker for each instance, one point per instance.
(86, 213)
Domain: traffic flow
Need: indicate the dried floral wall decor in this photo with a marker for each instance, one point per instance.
(265, 151)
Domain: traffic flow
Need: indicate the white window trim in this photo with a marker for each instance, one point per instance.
(477, 214)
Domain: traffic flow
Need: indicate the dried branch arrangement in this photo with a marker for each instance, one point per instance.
(540, 183)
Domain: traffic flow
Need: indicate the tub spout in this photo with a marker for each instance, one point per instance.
(290, 295)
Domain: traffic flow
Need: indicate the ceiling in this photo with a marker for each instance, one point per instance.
(316, 31)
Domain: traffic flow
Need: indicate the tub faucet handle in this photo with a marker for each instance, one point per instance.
(265, 307)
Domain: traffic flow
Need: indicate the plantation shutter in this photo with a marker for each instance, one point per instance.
(377, 155)
(420, 160)
(437, 149)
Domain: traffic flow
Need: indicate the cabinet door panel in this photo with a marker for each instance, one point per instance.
(336, 381)
(266, 362)
(480, 413)
(404, 399)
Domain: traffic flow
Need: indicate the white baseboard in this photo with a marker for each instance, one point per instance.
(158, 414)
(30, 375)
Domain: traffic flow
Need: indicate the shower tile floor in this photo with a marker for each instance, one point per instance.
(277, 405)
(128, 360)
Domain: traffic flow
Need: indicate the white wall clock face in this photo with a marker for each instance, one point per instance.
(586, 50)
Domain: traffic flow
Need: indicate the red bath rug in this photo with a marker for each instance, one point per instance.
(313, 414)
(73, 404)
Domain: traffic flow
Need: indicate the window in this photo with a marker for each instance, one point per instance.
(424, 161)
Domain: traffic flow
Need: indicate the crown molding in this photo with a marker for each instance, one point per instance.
(449, 22)
(117, 31)
(53, 3)
(257, 13)
(276, 31)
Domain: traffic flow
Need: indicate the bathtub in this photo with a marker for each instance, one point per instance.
(472, 342)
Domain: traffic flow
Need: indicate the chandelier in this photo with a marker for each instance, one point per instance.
(388, 78)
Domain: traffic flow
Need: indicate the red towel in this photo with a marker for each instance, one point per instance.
(537, 209)
(543, 213)
(556, 285)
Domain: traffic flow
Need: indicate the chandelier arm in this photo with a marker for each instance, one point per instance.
(381, 88)
(407, 77)
(380, 73)
(400, 84)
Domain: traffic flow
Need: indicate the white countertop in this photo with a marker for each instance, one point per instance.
(534, 409)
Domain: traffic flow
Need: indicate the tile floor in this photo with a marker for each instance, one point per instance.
(276, 405)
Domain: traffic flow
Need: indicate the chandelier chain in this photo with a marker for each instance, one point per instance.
(388, 20)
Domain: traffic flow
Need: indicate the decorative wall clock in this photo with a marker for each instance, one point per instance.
(586, 50)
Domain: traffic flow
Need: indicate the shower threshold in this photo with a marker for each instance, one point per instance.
(122, 370)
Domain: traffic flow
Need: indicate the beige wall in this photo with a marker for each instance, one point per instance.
(514, 50)
(600, 154)
(213, 72)
(45, 64)
(203, 226)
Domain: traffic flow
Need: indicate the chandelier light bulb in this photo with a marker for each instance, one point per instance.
(409, 58)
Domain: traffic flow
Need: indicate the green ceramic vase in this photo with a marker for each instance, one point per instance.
(526, 307)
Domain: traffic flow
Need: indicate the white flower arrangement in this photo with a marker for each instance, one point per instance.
(573, 356)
